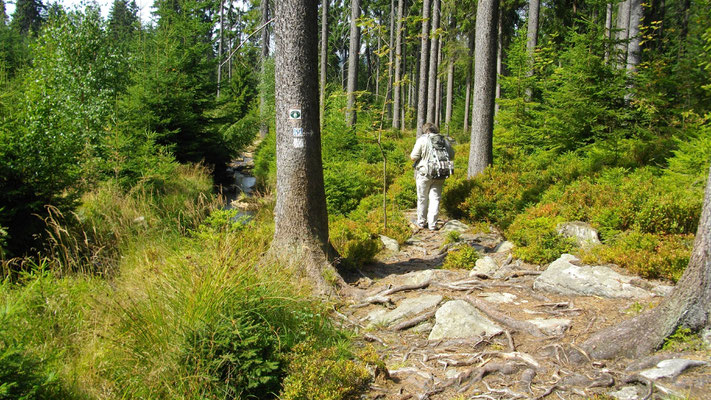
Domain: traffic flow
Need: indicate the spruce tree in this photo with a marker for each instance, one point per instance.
(123, 19)
(28, 16)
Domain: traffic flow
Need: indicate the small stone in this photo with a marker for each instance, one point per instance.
(500, 298)
(484, 266)
(424, 327)
(139, 220)
(455, 226)
(626, 393)
(504, 247)
(552, 326)
(390, 243)
(706, 336)
(670, 368)
(459, 319)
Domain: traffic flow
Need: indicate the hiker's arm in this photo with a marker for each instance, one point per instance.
(416, 152)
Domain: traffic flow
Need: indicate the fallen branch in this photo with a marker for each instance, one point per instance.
(372, 338)
(499, 317)
(524, 272)
(414, 321)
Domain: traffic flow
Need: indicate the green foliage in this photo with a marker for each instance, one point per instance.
(536, 239)
(353, 241)
(646, 254)
(346, 183)
(463, 257)
(683, 339)
(324, 373)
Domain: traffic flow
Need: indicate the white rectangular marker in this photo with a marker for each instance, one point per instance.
(298, 132)
(299, 142)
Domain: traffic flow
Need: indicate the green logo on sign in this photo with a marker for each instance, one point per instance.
(295, 114)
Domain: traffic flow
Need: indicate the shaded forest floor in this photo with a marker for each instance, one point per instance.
(518, 361)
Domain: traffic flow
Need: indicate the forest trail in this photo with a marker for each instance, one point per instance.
(419, 319)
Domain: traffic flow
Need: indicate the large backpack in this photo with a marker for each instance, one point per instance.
(439, 165)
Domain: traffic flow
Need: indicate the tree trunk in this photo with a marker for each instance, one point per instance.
(264, 127)
(532, 39)
(391, 59)
(438, 92)
(219, 46)
(300, 216)
(354, 47)
(608, 30)
(398, 63)
(468, 90)
(687, 306)
(623, 23)
(433, 66)
(480, 149)
(324, 61)
(422, 74)
(450, 90)
(499, 63)
(633, 48)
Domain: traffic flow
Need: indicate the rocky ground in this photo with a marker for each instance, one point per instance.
(502, 330)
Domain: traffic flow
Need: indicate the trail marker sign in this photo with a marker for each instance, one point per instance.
(295, 113)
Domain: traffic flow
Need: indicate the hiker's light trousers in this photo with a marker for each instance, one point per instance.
(428, 195)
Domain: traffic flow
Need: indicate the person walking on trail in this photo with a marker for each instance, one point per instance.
(432, 156)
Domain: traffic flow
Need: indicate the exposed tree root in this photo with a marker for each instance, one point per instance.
(522, 326)
(414, 321)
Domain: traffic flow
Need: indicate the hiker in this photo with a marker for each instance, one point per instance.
(432, 156)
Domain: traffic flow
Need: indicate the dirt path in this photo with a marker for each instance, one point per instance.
(522, 360)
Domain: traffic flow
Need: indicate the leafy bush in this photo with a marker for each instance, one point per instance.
(353, 241)
(370, 214)
(463, 257)
(536, 239)
(403, 191)
(646, 254)
(323, 374)
(346, 184)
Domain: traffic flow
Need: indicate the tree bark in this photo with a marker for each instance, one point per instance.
(391, 59)
(623, 23)
(219, 46)
(354, 47)
(424, 57)
(532, 39)
(480, 149)
(450, 90)
(300, 216)
(499, 62)
(264, 127)
(468, 90)
(687, 306)
(438, 83)
(633, 48)
(433, 66)
(324, 61)
(398, 62)
(608, 30)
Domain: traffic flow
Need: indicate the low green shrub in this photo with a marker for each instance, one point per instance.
(536, 239)
(346, 184)
(463, 257)
(324, 374)
(646, 254)
(353, 241)
(370, 214)
(403, 190)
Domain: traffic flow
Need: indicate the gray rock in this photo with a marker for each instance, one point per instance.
(419, 277)
(413, 241)
(564, 277)
(500, 298)
(662, 290)
(407, 308)
(424, 327)
(583, 233)
(459, 319)
(390, 243)
(670, 368)
(504, 247)
(455, 226)
(552, 326)
(626, 393)
(706, 336)
(484, 266)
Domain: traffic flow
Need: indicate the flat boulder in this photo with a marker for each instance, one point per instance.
(390, 243)
(564, 277)
(459, 319)
(454, 225)
(670, 368)
(584, 234)
(551, 326)
(406, 309)
(504, 246)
